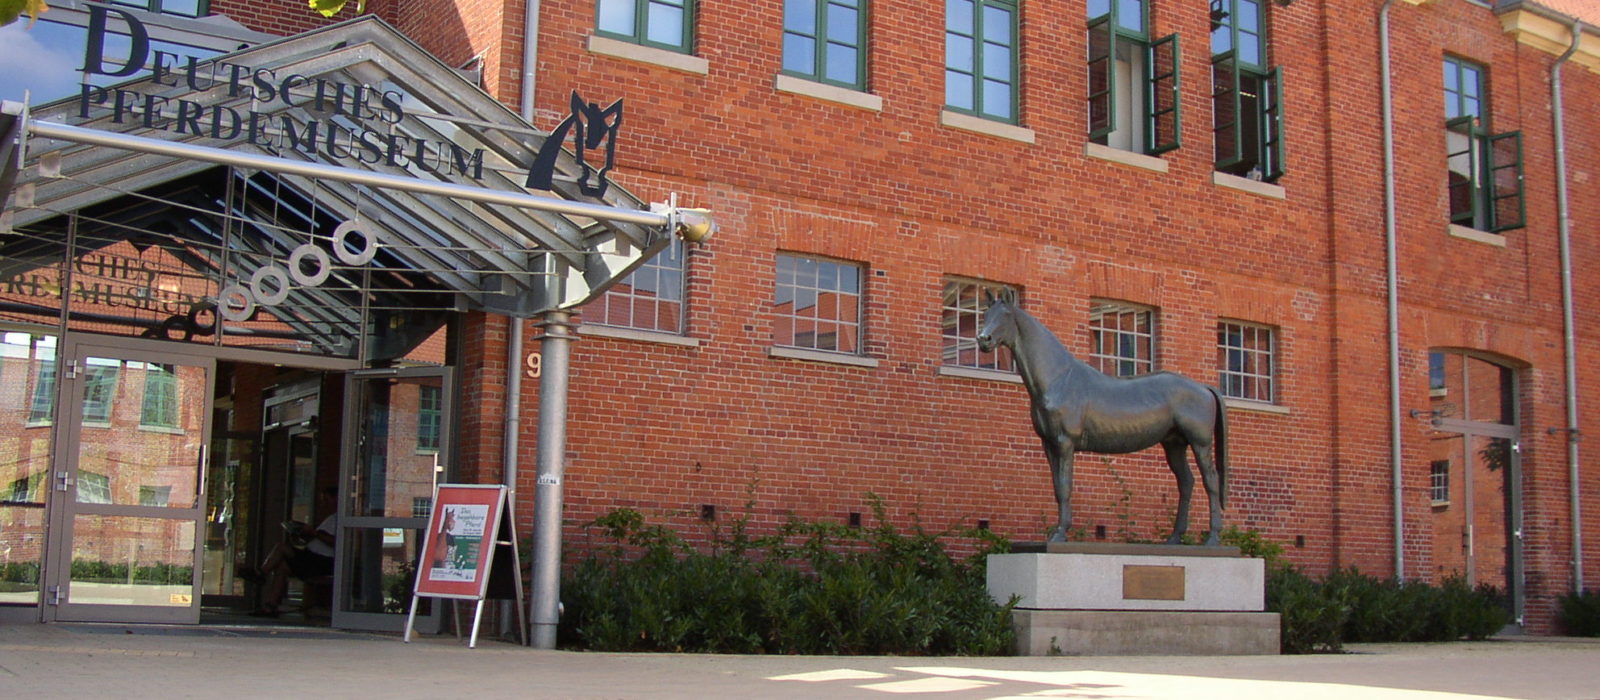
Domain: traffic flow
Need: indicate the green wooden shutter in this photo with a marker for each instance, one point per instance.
(1507, 205)
(1162, 103)
(1272, 125)
(1102, 77)
(1225, 108)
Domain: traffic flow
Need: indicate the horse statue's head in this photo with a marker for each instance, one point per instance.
(999, 320)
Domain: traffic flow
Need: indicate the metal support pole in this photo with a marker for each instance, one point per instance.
(556, 348)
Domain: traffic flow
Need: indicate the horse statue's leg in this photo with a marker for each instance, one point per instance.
(1176, 459)
(1208, 473)
(1060, 451)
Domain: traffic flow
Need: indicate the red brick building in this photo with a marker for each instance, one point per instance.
(1214, 205)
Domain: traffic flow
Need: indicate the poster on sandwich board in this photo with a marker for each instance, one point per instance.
(466, 527)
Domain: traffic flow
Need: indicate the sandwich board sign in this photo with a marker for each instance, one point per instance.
(466, 529)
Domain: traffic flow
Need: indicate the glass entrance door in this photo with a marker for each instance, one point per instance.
(397, 446)
(129, 477)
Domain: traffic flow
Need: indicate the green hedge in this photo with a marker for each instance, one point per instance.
(107, 572)
(1580, 613)
(812, 588)
(1349, 606)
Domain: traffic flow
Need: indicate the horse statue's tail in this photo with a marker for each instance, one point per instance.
(1220, 439)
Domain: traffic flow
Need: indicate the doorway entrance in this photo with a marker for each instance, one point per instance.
(1475, 475)
(129, 485)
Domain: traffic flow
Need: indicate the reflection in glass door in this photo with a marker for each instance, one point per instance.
(131, 476)
(1474, 475)
(397, 441)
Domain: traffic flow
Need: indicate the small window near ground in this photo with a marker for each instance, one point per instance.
(1122, 339)
(960, 319)
(648, 299)
(1245, 361)
(93, 488)
(1439, 482)
(817, 304)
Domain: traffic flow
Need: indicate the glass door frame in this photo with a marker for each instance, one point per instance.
(73, 350)
(343, 572)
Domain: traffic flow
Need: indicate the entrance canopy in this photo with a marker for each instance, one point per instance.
(314, 253)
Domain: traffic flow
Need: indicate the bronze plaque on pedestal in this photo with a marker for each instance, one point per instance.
(1152, 582)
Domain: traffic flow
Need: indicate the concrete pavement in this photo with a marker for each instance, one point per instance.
(67, 661)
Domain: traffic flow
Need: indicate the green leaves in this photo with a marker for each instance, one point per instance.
(328, 8)
(809, 588)
(10, 10)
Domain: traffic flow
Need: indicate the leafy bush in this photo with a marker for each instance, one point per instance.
(1580, 613)
(1362, 608)
(20, 572)
(812, 588)
(107, 572)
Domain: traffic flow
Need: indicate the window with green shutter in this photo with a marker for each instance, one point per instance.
(1246, 94)
(825, 40)
(980, 58)
(1133, 81)
(160, 406)
(1484, 178)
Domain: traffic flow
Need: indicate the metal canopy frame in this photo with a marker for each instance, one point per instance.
(504, 248)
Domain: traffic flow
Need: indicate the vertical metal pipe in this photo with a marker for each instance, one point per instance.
(530, 58)
(556, 347)
(512, 427)
(1391, 288)
(1564, 218)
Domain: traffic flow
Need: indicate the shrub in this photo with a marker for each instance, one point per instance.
(1580, 613)
(1370, 609)
(812, 588)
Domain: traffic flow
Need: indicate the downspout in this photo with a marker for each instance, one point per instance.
(516, 336)
(1391, 289)
(1564, 217)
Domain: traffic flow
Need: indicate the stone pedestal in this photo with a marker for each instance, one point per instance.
(1086, 598)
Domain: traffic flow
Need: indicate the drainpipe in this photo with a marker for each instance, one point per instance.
(515, 338)
(1564, 216)
(1391, 288)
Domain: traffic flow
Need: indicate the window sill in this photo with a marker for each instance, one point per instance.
(1117, 155)
(837, 358)
(1255, 406)
(828, 93)
(991, 375)
(166, 429)
(1244, 184)
(627, 50)
(1476, 236)
(1438, 392)
(636, 334)
(987, 127)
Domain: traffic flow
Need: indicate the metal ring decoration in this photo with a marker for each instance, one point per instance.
(258, 284)
(235, 303)
(318, 256)
(361, 257)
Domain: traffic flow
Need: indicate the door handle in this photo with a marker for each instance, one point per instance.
(200, 484)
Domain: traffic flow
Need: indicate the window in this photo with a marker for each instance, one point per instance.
(817, 305)
(1245, 361)
(1133, 81)
(99, 390)
(1439, 481)
(823, 40)
(43, 406)
(93, 488)
(185, 8)
(1485, 169)
(660, 23)
(160, 407)
(421, 506)
(650, 298)
(155, 496)
(960, 319)
(430, 415)
(26, 489)
(1436, 374)
(1246, 96)
(980, 67)
(1121, 339)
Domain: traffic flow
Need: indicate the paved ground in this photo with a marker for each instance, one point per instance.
(69, 661)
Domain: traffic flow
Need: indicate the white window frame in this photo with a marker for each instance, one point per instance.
(1107, 356)
(1251, 357)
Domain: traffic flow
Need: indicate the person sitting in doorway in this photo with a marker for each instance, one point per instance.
(312, 561)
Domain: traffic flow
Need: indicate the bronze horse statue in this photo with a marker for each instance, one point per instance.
(1076, 408)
